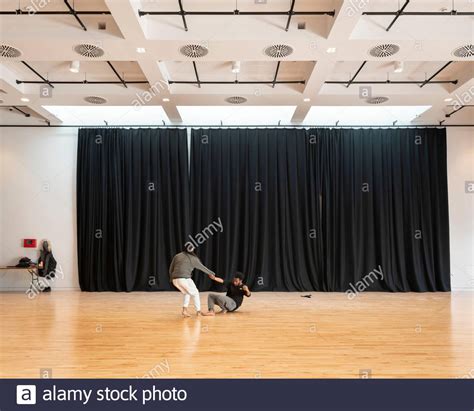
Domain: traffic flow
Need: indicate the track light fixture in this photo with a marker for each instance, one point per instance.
(398, 67)
(74, 67)
(236, 67)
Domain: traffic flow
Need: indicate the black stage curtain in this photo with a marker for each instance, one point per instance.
(323, 209)
(132, 207)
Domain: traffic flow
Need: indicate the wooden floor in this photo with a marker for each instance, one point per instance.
(273, 335)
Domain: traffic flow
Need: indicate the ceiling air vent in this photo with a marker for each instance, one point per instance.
(464, 51)
(278, 51)
(193, 51)
(9, 51)
(377, 100)
(384, 50)
(89, 50)
(95, 100)
(236, 100)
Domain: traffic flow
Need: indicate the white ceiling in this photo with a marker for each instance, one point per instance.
(47, 45)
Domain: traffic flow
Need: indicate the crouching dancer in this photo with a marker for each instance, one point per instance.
(236, 290)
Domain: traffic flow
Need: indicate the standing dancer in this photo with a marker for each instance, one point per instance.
(180, 271)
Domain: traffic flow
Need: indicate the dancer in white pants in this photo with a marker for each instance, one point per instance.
(180, 271)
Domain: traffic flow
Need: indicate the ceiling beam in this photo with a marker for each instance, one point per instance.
(344, 24)
(127, 20)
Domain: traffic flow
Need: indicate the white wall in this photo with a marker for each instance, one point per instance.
(461, 206)
(38, 186)
(37, 200)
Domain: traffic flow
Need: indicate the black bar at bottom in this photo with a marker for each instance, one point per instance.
(252, 394)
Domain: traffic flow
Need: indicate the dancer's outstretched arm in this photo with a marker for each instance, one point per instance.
(196, 262)
(216, 279)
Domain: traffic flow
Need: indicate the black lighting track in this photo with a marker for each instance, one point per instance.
(456, 110)
(276, 74)
(71, 12)
(429, 80)
(183, 13)
(38, 74)
(197, 75)
(117, 74)
(355, 75)
(51, 83)
(17, 109)
(420, 83)
(239, 82)
(84, 82)
(401, 12)
(198, 81)
(394, 82)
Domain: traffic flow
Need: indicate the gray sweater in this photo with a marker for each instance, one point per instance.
(183, 265)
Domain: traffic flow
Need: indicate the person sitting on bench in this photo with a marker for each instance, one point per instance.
(236, 290)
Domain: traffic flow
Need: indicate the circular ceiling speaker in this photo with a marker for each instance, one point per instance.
(384, 50)
(89, 50)
(95, 100)
(377, 100)
(193, 51)
(9, 51)
(236, 100)
(464, 51)
(278, 51)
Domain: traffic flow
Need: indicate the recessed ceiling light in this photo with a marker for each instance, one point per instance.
(141, 50)
(448, 99)
(331, 50)
(25, 99)
(166, 100)
(74, 67)
(307, 100)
